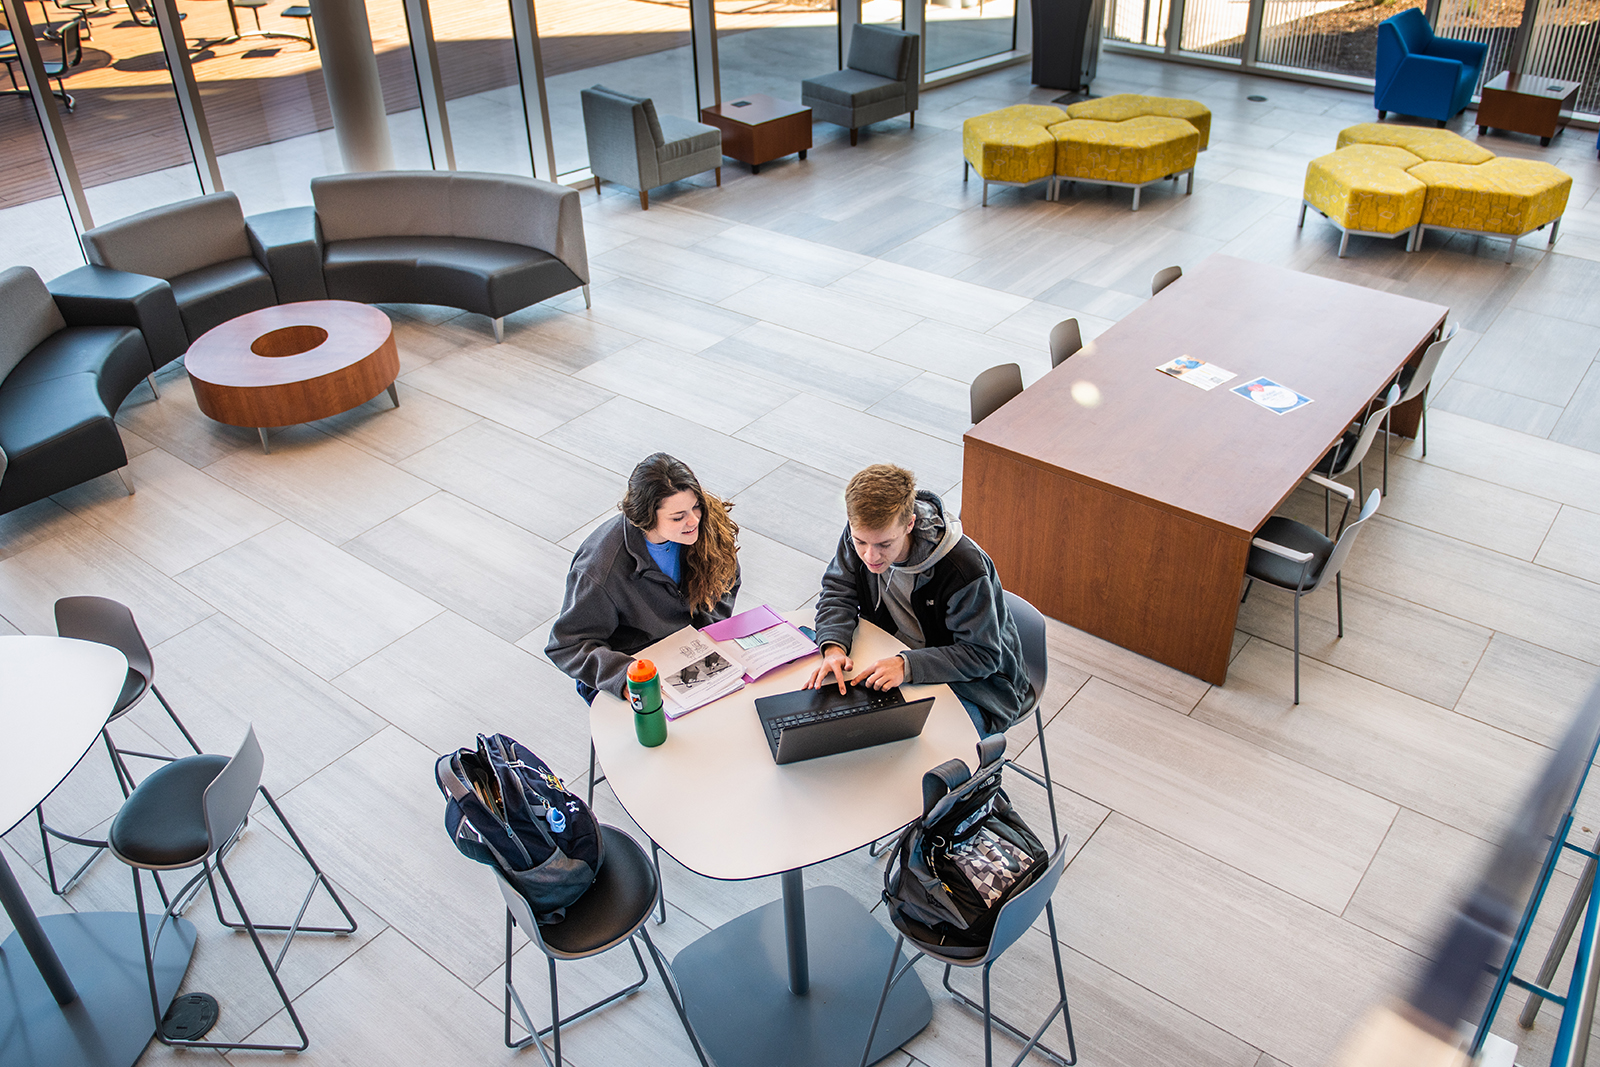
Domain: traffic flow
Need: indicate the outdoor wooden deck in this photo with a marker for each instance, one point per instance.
(261, 90)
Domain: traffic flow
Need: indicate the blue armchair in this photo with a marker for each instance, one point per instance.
(1420, 74)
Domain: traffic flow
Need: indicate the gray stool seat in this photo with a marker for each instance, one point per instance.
(613, 907)
(162, 824)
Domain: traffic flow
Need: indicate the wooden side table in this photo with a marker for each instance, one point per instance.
(1526, 103)
(757, 129)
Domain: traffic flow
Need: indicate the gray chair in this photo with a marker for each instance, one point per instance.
(1293, 556)
(190, 812)
(1163, 278)
(631, 145)
(992, 389)
(200, 247)
(879, 81)
(1413, 382)
(612, 910)
(1065, 341)
(1348, 454)
(106, 622)
(1014, 919)
(1036, 657)
(69, 39)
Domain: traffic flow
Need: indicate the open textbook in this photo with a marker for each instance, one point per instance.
(697, 667)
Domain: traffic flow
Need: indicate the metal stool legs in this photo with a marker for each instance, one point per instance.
(184, 895)
(990, 1019)
(536, 1036)
(655, 849)
(125, 782)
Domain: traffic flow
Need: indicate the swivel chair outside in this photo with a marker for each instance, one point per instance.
(612, 910)
(191, 811)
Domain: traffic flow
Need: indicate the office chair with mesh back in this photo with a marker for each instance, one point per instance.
(1065, 341)
(1163, 278)
(106, 622)
(612, 910)
(190, 812)
(1293, 556)
(992, 389)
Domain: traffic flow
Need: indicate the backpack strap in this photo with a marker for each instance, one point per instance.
(990, 749)
(937, 783)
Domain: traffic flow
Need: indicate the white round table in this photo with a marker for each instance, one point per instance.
(795, 981)
(85, 1001)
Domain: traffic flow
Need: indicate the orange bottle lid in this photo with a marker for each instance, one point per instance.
(641, 671)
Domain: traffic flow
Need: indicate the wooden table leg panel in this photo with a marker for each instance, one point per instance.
(1077, 552)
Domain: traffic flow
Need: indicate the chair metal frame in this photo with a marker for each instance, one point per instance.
(519, 913)
(140, 662)
(1333, 566)
(227, 814)
(1014, 920)
(1375, 418)
(655, 849)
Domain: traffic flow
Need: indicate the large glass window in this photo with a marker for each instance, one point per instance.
(124, 129)
(960, 31)
(639, 47)
(1325, 35)
(1215, 27)
(478, 65)
(771, 48)
(33, 216)
(1565, 44)
(1137, 21)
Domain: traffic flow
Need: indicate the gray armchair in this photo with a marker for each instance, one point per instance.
(630, 145)
(879, 81)
(200, 247)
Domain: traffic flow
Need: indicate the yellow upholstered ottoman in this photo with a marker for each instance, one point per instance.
(1133, 153)
(1428, 145)
(1012, 146)
(1366, 189)
(1500, 198)
(1126, 106)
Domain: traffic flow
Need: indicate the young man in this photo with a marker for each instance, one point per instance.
(905, 565)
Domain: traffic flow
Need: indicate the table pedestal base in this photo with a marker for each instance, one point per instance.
(735, 983)
(109, 1024)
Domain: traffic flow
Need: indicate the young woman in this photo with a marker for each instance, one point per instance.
(668, 561)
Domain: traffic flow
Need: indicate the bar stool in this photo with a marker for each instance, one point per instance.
(188, 812)
(106, 622)
(612, 910)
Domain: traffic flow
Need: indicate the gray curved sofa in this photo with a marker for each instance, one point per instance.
(486, 243)
(66, 365)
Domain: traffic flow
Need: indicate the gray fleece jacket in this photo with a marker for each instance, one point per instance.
(969, 638)
(618, 602)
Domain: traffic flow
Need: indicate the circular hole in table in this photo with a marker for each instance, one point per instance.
(289, 341)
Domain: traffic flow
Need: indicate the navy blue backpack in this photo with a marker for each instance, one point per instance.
(505, 807)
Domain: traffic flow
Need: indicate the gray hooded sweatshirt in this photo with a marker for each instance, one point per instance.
(945, 601)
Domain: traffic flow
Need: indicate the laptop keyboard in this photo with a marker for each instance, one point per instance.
(810, 718)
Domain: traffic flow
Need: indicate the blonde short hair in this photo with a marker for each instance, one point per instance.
(880, 497)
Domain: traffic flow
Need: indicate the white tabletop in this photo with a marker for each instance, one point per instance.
(55, 695)
(712, 797)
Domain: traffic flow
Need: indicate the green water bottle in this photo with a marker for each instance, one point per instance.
(644, 694)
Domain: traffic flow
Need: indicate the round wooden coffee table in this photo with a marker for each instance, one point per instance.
(293, 363)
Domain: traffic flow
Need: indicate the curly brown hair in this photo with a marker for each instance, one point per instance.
(711, 564)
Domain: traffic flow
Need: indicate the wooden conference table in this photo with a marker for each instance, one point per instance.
(795, 981)
(1122, 501)
(84, 1000)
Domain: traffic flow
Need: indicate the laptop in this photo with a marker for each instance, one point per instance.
(808, 723)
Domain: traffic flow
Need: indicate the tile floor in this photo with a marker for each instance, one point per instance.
(1246, 875)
